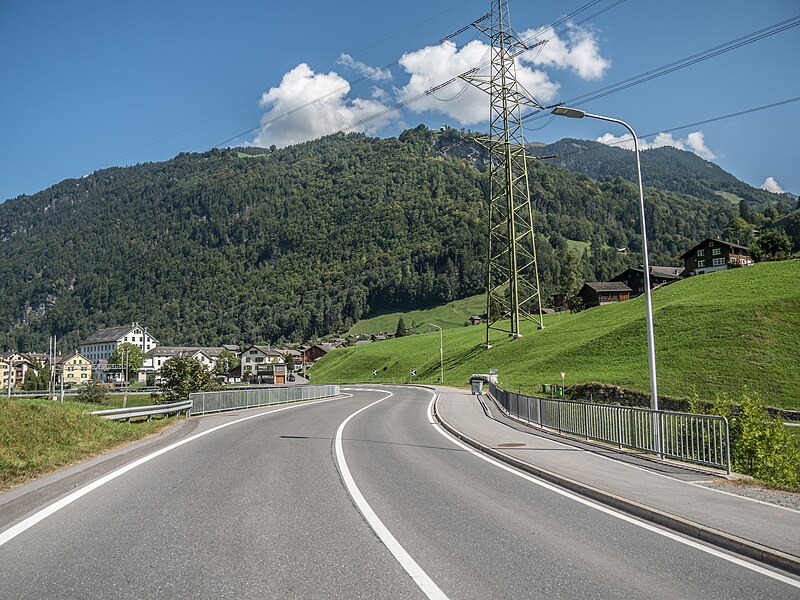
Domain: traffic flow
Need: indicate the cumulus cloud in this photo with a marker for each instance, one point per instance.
(772, 186)
(578, 52)
(375, 73)
(460, 101)
(331, 110)
(694, 142)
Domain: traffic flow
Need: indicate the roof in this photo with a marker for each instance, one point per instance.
(265, 350)
(210, 352)
(723, 242)
(607, 286)
(65, 357)
(231, 347)
(325, 347)
(112, 334)
(663, 272)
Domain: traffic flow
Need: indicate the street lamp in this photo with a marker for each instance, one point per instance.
(441, 353)
(575, 113)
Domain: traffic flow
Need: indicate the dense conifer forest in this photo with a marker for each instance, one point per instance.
(265, 245)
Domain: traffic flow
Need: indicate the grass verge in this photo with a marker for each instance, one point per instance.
(40, 436)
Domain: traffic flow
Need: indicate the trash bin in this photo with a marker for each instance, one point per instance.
(477, 386)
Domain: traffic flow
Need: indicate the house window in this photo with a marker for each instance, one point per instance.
(701, 253)
(711, 243)
(716, 251)
(701, 263)
(83, 376)
(719, 261)
(259, 359)
(253, 351)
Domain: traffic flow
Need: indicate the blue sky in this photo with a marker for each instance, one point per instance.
(86, 85)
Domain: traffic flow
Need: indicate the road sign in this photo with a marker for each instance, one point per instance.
(375, 373)
(413, 372)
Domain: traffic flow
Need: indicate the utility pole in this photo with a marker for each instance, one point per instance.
(512, 279)
(10, 367)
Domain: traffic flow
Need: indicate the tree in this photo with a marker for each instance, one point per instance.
(401, 328)
(773, 243)
(127, 358)
(92, 392)
(226, 362)
(289, 360)
(182, 376)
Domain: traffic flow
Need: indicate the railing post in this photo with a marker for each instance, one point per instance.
(539, 409)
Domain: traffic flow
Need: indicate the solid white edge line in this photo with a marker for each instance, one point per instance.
(423, 581)
(632, 520)
(536, 427)
(42, 514)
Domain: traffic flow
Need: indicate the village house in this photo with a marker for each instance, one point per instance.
(598, 293)
(101, 345)
(317, 351)
(72, 369)
(17, 365)
(714, 255)
(634, 278)
(257, 363)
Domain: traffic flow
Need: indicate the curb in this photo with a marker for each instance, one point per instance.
(752, 550)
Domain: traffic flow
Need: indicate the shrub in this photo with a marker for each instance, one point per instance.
(93, 392)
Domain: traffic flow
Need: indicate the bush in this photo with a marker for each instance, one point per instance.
(93, 392)
(761, 446)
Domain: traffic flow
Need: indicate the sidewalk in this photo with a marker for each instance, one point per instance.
(662, 492)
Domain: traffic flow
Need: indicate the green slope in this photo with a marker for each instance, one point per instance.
(715, 333)
(452, 314)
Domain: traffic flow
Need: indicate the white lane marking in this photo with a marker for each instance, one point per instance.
(35, 518)
(425, 583)
(632, 520)
(645, 469)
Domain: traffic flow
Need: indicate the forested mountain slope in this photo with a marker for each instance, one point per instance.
(230, 245)
(666, 167)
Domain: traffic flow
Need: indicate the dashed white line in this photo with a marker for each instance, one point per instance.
(420, 577)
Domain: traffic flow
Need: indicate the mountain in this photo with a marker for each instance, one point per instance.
(258, 245)
(667, 168)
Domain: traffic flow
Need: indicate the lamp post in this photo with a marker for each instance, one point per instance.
(575, 113)
(441, 353)
(563, 374)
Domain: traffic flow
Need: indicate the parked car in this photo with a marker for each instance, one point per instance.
(292, 377)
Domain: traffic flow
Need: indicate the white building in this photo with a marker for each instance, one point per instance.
(101, 345)
(155, 358)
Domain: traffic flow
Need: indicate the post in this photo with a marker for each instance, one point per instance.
(441, 353)
(651, 348)
(10, 367)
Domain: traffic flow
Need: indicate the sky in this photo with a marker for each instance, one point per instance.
(86, 85)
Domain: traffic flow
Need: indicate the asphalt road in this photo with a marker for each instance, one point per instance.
(275, 507)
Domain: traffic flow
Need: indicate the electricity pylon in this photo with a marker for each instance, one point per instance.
(512, 289)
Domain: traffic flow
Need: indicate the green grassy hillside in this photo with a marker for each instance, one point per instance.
(714, 333)
(452, 314)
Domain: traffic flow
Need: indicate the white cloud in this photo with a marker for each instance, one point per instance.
(331, 110)
(375, 73)
(578, 52)
(772, 186)
(460, 101)
(694, 142)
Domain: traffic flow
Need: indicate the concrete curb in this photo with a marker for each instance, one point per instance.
(763, 554)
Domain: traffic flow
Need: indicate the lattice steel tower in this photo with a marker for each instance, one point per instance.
(512, 291)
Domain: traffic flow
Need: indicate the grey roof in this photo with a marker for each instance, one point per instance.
(211, 352)
(266, 350)
(723, 242)
(607, 286)
(112, 334)
(664, 272)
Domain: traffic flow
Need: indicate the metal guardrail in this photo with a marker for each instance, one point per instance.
(209, 402)
(701, 439)
(132, 412)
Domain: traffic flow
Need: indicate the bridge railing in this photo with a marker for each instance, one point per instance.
(209, 402)
(701, 439)
(134, 412)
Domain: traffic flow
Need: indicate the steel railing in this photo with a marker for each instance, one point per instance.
(209, 402)
(701, 439)
(132, 412)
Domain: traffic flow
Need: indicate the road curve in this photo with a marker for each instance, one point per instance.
(262, 508)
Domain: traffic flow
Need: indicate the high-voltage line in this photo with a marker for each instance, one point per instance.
(512, 274)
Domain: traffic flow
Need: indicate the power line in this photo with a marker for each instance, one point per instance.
(251, 100)
(687, 126)
(430, 91)
(677, 65)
